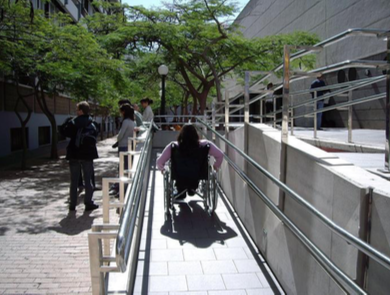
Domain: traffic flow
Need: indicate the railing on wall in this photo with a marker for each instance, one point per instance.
(127, 233)
(344, 282)
(289, 105)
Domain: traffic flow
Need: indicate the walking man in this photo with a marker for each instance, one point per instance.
(80, 153)
(319, 82)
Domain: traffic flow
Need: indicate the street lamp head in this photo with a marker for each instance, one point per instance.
(163, 70)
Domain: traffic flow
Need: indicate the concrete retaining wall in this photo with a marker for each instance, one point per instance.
(336, 188)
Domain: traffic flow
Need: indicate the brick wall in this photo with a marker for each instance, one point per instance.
(11, 98)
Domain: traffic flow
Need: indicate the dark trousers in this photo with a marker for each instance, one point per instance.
(81, 181)
(76, 166)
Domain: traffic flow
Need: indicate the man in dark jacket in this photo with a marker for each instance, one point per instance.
(80, 153)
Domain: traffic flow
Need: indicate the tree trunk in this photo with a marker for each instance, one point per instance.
(101, 128)
(23, 124)
(41, 98)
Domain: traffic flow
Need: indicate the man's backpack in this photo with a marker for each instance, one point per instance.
(86, 136)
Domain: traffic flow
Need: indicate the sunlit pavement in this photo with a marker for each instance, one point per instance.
(43, 249)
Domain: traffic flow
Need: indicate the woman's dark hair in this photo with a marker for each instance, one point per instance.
(147, 100)
(124, 101)
(188, 137)
(128, 111)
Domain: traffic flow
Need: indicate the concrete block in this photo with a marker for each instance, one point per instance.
(167, 283)
(241, 281)
(185, 268)
(378, 282)
(218, 267)
(205, 282)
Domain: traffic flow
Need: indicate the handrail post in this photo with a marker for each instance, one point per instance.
(387, 147)
(292, 115)
(227, 108)
(246, 98)
(213, 118)
(274, 110)
(261, 111)
(350, 113)
(285, 110)
(315, 115)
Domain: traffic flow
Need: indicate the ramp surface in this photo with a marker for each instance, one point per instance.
(195, 253)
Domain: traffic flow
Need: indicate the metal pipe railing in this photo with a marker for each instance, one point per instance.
(133, 197)
(333, 270)
(325, 43)
(348, 237)
(343, 104)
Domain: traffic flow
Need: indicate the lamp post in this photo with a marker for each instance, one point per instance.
(163, 71)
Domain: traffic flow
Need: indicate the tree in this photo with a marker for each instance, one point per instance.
(203, 49)
(58, 56)
(17, 37)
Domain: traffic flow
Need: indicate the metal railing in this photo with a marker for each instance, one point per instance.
(127, 233)
(128, 219)
(288, 106)
(324, 261)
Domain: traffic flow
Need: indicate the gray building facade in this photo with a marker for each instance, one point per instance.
(327, 18)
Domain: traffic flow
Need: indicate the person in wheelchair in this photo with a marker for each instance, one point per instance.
(188, 155)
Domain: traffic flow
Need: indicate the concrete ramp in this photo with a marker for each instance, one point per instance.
(195, 253)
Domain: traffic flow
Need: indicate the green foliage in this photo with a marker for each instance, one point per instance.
(193, 39)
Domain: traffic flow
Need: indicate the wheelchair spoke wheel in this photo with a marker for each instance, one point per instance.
(167, 195)
(212, 193)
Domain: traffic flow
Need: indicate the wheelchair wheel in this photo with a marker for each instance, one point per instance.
(212, 196)
(204, 191)
(167, 194)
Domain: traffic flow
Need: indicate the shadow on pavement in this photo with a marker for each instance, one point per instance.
(35, 200)
(72, 225)
(190, 223)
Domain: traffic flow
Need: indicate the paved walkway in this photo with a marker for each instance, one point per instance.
(43, 249)
(194, 253)
(368, 137)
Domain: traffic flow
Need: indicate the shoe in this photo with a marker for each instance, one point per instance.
(181, 197)
(113, 192)
(72, 208)
(191, 192)
(91, 207)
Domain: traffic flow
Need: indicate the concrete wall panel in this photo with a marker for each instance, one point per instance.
(335, 187)
(378, 276)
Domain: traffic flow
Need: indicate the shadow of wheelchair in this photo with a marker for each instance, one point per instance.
(190, 223)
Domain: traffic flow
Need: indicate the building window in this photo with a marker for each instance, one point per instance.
(44, 135)
(16, 139)
(341, 77)
(352, 74)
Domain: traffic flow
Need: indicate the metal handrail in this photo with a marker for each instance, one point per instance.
(325, 43)
(133, 196)
(348, 237)
(343, 104)
(333, 270)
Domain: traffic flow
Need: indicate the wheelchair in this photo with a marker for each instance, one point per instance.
(193, 172)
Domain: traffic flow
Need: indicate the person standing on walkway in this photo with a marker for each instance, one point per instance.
(147, 115)
(317, 83)
(81, 152)
(126, 131)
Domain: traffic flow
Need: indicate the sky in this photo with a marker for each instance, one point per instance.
(150, 3)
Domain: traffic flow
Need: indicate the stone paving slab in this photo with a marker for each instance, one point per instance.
(194, 253)
(43, 249)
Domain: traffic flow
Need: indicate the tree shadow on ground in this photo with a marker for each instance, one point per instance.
(36, 200)
(190, 223)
